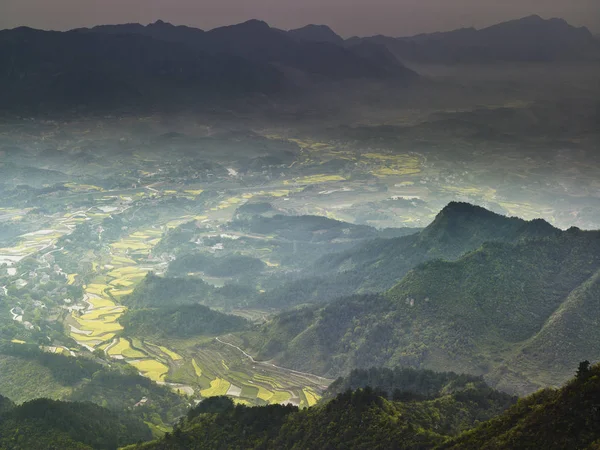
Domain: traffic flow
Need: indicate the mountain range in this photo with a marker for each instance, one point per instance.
(130, 67)
(528, 39)
(473, 292)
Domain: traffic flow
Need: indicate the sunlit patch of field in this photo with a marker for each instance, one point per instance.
(316, 179)
(177, 222)
(119, 260)
(150, 368)
(83, 187)
(120, 293)
(71, 278)
(264, 394)
(121, 282)
(96, 289)
(123, 348)
(471, 191)
(130, 244)
(218, 386)
(103, 346)
(170, 353)
(94, 339)
(241, 401)
(266, 379)
(194, 192)
(103, 312)
(17, 341)
(197, 368)
(310, 144)
(228, 203)
(311, 396)
(280, 397)
(392, 164)
(99, 326)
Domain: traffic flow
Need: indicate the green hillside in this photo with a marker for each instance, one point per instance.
(518, 313)
(29, 373)
(55, 425)
(180, 322)
(566, 418)
(365, 418)
(378, 264)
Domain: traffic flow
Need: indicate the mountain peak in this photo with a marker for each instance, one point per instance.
(317, 33)
(465, 208)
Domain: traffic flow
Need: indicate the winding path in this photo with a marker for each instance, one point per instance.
(304, 374)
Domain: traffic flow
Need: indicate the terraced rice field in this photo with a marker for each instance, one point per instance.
(316, 179)
(392, 164)
(123, 349)
(216, 369)
(218, 386)
(155, 370)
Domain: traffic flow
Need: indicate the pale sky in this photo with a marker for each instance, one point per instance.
(346, 17)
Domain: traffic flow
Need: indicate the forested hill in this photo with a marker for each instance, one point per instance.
(365, 418)
(517, 313)
(379, 264)
(55, 425)
(560, 419)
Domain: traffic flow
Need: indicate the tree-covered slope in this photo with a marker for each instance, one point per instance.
(27, 373)
(167, 292)
(55, 425)
(180, 322)
(379, 264)
(511, 311)
(566, 418)
(365, 418)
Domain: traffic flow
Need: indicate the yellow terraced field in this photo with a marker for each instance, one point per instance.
(101, 302)
(121, 282)
(171, 354)
(280, 397)
(98, 326)
(218, 386)
(314, 179)
(120, 260)
(104, 315)
(120, 293)
(71, 278)
(264, 394)
(96, 289)
(130, 244)
(311, 396)
(124, 271)
(197, 368)
(123, 347)
(101, 337)
(151, 368)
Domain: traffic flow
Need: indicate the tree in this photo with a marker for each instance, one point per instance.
(583, 370)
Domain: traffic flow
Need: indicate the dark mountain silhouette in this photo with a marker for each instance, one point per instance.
(527, 39)
(256, 41)
(317, 33)
(45, 70)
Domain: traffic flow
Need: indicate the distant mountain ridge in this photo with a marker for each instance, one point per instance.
(529, 39)
(130, 67)
(160, 65)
